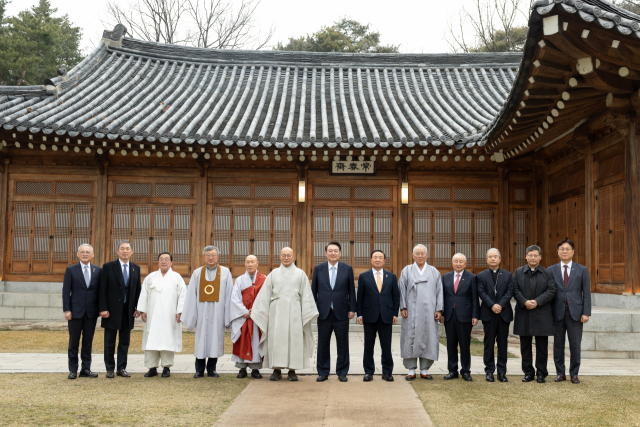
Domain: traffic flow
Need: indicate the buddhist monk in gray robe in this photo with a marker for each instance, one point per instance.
(421, 303)
(284, 310)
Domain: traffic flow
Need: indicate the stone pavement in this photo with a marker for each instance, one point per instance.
(184, 363)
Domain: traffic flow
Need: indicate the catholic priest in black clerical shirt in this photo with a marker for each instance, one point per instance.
(495, 289)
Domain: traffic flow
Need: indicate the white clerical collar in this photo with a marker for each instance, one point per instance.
(495, 271)
(423, 267)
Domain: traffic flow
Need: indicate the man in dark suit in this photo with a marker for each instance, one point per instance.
(119, 293)
(80, 306)
(334, 290)
(534, 289)
(495, 289)
(378, 304)
(571, 309)
(461, 313)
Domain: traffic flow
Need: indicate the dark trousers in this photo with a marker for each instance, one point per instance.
(495, 331)
(86, 327)
(384, 333)
(210, 364)
(341, 329)
(542, 355)
(123, 342)
(573, 330)
(458, 333)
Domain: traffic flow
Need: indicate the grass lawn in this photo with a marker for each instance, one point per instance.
(477, 347)
(44, 341)
(597, 401)
(50, 399)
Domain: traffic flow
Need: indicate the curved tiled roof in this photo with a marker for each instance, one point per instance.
(155, 92)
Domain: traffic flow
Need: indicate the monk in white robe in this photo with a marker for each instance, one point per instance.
(421, 304)
(207, 310)
(160, 304)
(245, 334)
(284, 311)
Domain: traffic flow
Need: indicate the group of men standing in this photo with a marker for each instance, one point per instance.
(271, 317)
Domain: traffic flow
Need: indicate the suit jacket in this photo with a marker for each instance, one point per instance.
(465, 300)
(577, 292)
(489, 297)
(541, 287)
(112, 291)
(372, 304)
(343, 295)
(76, 297)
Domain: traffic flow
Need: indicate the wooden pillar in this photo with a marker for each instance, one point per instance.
(299, 243)
(101, 247)
(533, 230)
(200, 212)
(590, 216)
(545, 216)
(4, 195)
(503, 216)
(632, 212)
(402, 241)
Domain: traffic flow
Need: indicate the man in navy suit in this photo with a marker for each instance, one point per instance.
(334, 290)
(571, 309)
(461, 313)
(80, 305)
(495, 289)
(378, 304)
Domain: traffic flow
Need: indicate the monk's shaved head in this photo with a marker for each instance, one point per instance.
(251, 264)
(286, 256)
(251, 257)
(286, 249)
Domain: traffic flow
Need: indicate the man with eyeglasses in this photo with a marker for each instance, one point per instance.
(571, 309)
(206, 309)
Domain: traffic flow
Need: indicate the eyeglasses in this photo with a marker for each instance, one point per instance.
(211, 256)
(565, 249)
(286, 256)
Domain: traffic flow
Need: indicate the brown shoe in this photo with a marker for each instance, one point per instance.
(291, 375)
(123, 373)
(426, 377)
(574, 379)
(277, 374)
(109, 374)
(560, 378)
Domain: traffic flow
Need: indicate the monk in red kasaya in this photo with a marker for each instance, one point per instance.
(244, 333)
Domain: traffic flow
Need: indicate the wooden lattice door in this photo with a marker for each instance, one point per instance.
(45, 236)
(567, 221)
(153, 229)
(520, 232)
(610, 235)
(247, 230)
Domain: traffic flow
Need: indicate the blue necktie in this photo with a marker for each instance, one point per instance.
(87, 276)
(125, 275)
(333, 281)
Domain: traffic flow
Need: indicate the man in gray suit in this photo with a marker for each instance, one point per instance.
(571, 309)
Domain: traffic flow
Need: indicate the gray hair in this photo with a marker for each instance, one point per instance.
(419, 245)
(210, 248)
(122, 242)
(494, 249)
(85, 244)
(533, 248)
(459, 255)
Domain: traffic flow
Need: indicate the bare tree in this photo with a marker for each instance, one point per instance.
(494, 25)
(218, 24)
(632, 6)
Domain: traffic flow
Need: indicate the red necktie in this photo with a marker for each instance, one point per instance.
(566, 282)
(455, 285)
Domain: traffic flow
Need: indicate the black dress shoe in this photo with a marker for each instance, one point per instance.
(367, 377)
(72, 375)
(242, 373)
(256, 374)
(123, 373)
(387, 377)
(502, 378)
(490, 377)
(410, 377)
(166, 373)
(540, 379)
(86, 373)
(343, 378)
(451, 376)
(467, 377)
(198, 375)
(322, 378)
(527, 378)
(109, 374)
(153, 372)
(213, 374)
(276, 375)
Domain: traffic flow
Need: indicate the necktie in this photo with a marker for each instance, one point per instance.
(455, 285)
(87, 276)
(379, 280)
(566, 283)
(125, 275)
(333, 280)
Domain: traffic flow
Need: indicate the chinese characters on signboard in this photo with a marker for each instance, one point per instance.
(343, 167)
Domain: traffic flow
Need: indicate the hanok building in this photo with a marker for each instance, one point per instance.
(176, 148)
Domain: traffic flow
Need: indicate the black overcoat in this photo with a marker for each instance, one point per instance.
(541, 287)
(112, 290)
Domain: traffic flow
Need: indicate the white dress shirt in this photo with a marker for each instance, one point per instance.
(331, 266)
(88, 266)
(562, 264)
